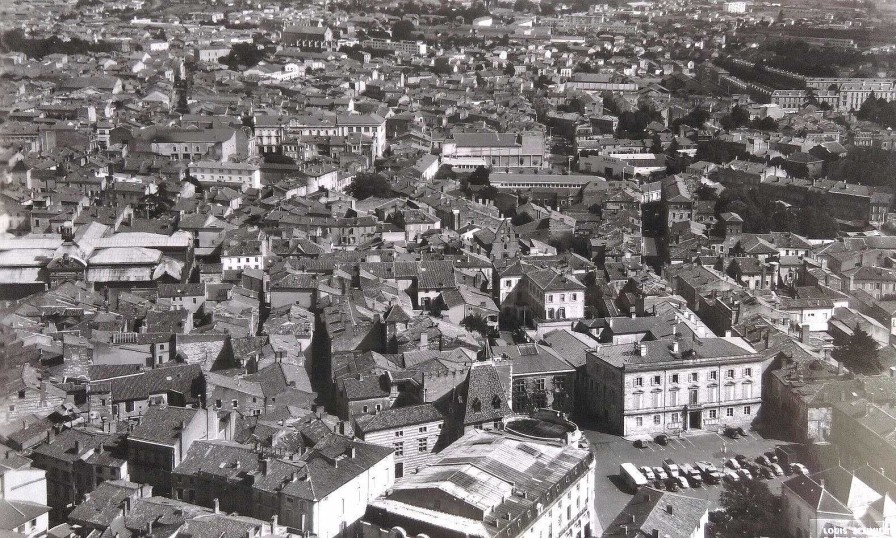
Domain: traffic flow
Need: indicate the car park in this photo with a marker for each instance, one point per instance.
(731, 475)
(660, 473)
(731, 432)
(745, 474)
(640, 443)
(772, 457)
(682, 483)
(648, 473)
(776, 469)
(732, 464)
(741, 432)
(692, 475)
(763, 460)
(766, 472)
(672, 484)
(741, 459)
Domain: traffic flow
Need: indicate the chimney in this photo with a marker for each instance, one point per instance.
(217, 506)
(821, 483)
(78, 447)
(149, 528)
(351, 452)
(728, 333)
(610, 322)
(424, 339)
(274, 524)
(893, 371)
(655, 533)
(668, 508)
(804, 333)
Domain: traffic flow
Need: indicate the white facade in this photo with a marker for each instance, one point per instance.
(222, 173)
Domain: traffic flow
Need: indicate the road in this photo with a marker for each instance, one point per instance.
(612, 450)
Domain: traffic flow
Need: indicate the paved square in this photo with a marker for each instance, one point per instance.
(610, 451)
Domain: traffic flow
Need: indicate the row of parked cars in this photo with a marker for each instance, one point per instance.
(663, 439)
(765, 466)
(673, 477)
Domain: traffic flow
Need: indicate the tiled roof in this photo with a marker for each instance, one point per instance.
(398, 417)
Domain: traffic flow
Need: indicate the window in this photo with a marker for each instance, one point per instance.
(217, 404)
(748, 390)
(713, 375)
(656, 380)
(399, 448)
(399, 433)
(748, 372)
(729, 411)
(422, 429)
(129, 406)
(639, 381)
(364, 409)
(747, 410)
(423, 445)
(559, 383)
(21, 394)
(573, 296)
(694, 377)
(539, 384)
(730, 374)
(656, 419)
(713, 413)
(562, 297)
(694, 396)
(673, 398)
(639, 421)
(674, 378)
(675, 418)
(550, 298)
(639, 401)
(235, 404)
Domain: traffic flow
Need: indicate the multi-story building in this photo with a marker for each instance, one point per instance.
(548, 294)
(413, 48)
(674, 384)
(308, 37)
(493, 484)
(241, 175)
(412, 432)
(76, 462)
(23, 497)
(468, 151)
(322, 492)
(163, 437)
(272, 133)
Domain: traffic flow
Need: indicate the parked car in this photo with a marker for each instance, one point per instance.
(772, 457)
(731, 475)
(763, 460)
(766, 472)
(659, 473)
(754, 468)
(741, 432)
(662, 439)
(776, 469)
(671, 467)
(731, 432)
(671, 484)
(682, 482)
(799, 468)
(640, 443)
(648, 473)
(741, 459)
(745, 474)
(732, 464)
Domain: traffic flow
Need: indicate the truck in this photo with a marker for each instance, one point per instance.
(632, 477)
(692, 475)
(671, 467)
(711, 474)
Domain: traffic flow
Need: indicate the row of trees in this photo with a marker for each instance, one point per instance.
(762, 214)
(878, 110)
(37, 47)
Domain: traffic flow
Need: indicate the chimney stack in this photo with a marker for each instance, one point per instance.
(642, 347)
(217, 506)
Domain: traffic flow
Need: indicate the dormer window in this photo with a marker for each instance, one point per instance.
(496, 402)
(477, 404)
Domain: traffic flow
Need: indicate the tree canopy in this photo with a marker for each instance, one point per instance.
(749, 509)
(365, 185)
(858, 351)
(762, 214)
(245, 54)
(403, 30)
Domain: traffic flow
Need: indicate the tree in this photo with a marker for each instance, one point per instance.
(480, 176)
(656, 145)
(243, 54)
(476, 323)
(521, 218)
(396, 218)
(366, 184)
(509, 69)
(403, 30)
(749, 509)
(858, 352)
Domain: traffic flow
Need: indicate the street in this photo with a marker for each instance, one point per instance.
(611, 450)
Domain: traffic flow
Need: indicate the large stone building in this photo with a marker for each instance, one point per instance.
(674, 384)
(492, 484)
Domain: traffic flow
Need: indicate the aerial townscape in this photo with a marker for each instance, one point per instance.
(447, 268)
